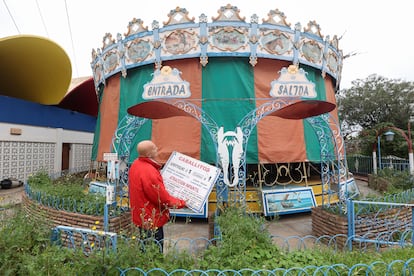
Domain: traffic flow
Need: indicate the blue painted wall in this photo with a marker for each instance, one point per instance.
(17, 111)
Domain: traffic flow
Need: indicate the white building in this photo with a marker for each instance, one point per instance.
(47, 120)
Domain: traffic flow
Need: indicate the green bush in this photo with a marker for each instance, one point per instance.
(25, 249)
(240, 232)
(398, 180)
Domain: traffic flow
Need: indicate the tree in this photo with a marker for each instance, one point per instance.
(376, 100)
(373, 102)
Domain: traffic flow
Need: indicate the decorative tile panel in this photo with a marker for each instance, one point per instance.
(21, 159)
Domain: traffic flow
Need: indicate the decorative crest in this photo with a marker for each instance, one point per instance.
(229, 13)
(313, 28)
(135, 26)
(107, 41)
(276, 17)
(178, 16)
(334, 42)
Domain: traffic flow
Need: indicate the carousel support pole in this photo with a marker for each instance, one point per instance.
(259, 173)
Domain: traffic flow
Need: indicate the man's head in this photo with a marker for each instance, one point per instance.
(147, 148)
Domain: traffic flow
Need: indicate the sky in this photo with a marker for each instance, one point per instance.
(376, 34)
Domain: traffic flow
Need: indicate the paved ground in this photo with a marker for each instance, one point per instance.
(285, 226)
(10, 196)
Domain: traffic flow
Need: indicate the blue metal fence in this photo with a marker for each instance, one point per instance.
(368, 215)
(94, 240)
(65, 204)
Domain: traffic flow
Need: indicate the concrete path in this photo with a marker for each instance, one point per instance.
(10, 196)
(299, 224)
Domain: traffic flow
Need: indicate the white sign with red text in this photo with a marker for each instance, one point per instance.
(189, 179)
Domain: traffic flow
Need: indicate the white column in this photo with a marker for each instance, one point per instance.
(411, 162)
(374, 161)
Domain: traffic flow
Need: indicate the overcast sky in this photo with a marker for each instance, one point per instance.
(378, 32)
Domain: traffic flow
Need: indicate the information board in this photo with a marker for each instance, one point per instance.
(189, 179)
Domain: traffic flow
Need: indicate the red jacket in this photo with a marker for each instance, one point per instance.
(148, 197)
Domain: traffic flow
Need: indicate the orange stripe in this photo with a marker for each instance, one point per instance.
(279, 140)
(182, 134)
(109, 109)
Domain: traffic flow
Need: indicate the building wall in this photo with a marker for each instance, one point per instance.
(25, 149)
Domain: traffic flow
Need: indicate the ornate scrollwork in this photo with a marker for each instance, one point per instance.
(107, 41)
(135, 26)
(178, 16)
(228, 13)
(227, 35)
(313, 28)
(276, 17)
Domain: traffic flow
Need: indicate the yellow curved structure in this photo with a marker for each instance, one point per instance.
(34, 68)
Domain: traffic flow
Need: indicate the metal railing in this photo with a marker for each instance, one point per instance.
(65, 204)
(97, 240)
(361, 164)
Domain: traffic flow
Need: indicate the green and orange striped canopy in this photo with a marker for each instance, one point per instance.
(226, 89)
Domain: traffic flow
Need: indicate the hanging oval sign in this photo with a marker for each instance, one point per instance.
(166, 83)
(292, 83)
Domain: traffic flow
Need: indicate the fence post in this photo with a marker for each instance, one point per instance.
(351, 219)
(412, 224)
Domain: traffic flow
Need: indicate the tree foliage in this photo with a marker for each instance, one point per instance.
(376, 100)
(372, 104)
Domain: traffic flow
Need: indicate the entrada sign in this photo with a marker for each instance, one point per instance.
(166, 83)
(292, 83)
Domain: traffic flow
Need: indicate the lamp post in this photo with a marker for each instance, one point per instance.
(379, 152)
(389, 136)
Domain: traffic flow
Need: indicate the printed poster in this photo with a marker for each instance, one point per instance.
(189, 179)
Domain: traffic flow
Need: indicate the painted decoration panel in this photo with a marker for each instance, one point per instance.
(285, 201)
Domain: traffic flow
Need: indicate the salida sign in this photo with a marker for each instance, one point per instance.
(292, 83)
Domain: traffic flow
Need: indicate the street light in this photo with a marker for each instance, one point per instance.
(389, 136)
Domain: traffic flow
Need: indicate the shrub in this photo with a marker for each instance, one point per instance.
(244, 243)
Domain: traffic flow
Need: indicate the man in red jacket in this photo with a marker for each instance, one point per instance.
(150, 201)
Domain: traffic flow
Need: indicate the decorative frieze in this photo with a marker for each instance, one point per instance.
(227, 35)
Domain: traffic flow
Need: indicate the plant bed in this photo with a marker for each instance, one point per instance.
(118, 224)
(327, 223)
(65, 202)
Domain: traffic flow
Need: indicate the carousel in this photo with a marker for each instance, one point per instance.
(254, 99)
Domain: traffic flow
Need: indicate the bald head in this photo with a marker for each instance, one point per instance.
(147, 148)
